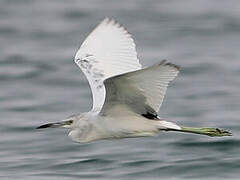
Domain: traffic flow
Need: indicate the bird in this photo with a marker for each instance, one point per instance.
(126, 97)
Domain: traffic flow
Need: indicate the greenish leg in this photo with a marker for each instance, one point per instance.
(206, 131)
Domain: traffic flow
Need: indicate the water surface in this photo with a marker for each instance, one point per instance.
(40, 83)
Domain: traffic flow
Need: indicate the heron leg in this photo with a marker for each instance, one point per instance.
(204, 131)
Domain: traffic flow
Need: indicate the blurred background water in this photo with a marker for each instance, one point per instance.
(40, 83)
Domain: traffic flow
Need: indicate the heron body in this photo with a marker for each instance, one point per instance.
(91, 126)
(126, 97)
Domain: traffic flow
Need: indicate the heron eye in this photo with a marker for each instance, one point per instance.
(70, 121)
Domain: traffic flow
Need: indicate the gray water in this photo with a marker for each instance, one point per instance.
(39, 83)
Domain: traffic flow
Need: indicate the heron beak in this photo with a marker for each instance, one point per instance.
(65, 124)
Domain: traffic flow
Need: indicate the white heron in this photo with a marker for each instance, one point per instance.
(126, 97)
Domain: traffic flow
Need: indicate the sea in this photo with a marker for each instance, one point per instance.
(40, 83)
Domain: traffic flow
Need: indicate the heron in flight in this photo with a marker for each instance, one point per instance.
(126, 97)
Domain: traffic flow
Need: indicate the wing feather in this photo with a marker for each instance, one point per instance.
(142, 90)
(108, 51)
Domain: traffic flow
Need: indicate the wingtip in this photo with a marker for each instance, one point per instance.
(107, 20)
(166, 63)
(111, 21)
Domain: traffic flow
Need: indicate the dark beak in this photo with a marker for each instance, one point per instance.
(56, 125)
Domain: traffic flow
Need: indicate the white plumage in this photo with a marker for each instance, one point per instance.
(108, 51)
(126, 98)
(142, 90)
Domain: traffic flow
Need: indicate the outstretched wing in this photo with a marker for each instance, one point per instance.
(142, 91)
(108, 51)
